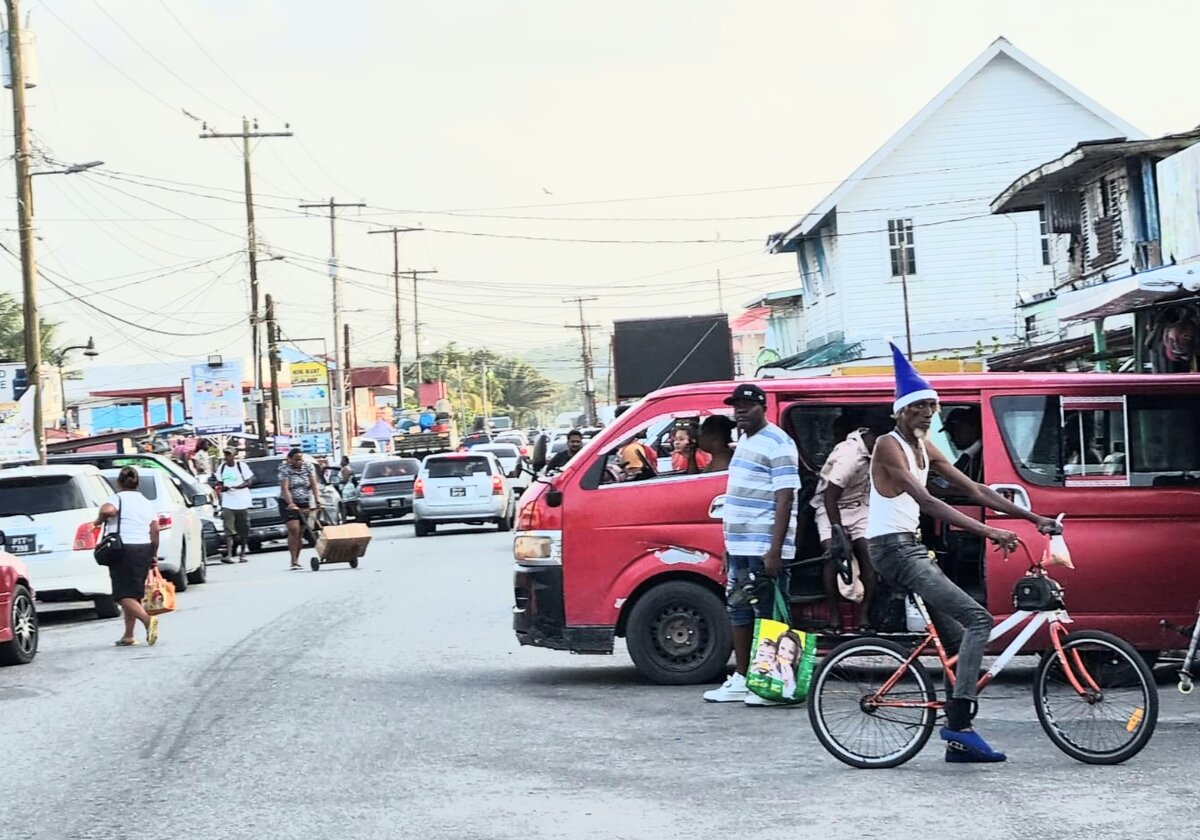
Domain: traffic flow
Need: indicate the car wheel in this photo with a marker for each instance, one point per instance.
(24, 622)
(254, 546)
(505, 523)
(106, 607)
(678, 634)
(180, 578)
(201, 574)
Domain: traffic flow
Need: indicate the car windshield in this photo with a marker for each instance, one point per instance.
(457, 467)
(148, 486)
(266, 471)
(476, 439)
(39, 494)
(391, 467)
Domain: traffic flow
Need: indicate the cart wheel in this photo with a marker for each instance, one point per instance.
(314, 564)
(353, 562)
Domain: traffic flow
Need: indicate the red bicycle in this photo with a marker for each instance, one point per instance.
(873, 703)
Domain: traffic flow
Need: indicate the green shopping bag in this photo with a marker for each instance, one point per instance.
(782, 659)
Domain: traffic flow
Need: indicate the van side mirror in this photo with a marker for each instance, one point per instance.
(539, 454)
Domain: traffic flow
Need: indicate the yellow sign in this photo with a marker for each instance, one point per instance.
(309, 373)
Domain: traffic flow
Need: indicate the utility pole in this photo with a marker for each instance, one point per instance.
(395, 232)
(33, 327)
(483, 376)
(585, 347)
(350, 413)
(273, 356)
(252, 250)
(904, 291)
(417, 328)
(339, 391)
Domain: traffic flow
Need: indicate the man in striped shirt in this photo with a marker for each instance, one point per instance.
(760, 524)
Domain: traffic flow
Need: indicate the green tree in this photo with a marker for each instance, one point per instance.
(12, 330)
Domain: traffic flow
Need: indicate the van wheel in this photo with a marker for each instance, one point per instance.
(678, 634)
(106, 607)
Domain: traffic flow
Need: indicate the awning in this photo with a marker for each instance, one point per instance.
(830, 353)
(1055, 355)
(1130, 293)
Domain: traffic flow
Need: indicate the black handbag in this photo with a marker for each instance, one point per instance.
(111, 547)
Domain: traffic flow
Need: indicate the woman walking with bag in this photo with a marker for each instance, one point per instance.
(130, 516)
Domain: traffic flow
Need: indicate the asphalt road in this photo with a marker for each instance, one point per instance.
(392, 701)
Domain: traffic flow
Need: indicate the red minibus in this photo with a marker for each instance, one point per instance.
(1119, 454)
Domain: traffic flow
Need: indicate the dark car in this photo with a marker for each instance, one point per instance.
(386, 489)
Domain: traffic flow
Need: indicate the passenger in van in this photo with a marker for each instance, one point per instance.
(715, 433)
(900, 468)
(637, 461)
(686, 456)
(965, 431)
(840, 513)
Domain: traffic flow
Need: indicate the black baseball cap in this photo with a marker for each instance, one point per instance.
(747, 392)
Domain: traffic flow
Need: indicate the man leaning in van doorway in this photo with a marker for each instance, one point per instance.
(759, 525)
(900, 466)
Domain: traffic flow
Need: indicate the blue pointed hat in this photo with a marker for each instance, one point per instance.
(910, 386)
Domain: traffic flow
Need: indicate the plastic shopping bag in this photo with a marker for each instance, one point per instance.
(160, 593)
(782, 658)
(1057, 553)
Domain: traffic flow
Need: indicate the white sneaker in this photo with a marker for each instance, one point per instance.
(753, 699)
(733, 690)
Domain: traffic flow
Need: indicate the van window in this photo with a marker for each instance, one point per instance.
(819, 428)
(39, 494)
(457, 467)
(1136, 441)
(650, 452)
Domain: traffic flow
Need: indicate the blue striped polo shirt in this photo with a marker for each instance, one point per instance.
(762, 463)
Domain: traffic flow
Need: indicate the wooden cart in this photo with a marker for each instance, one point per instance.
(341, 544)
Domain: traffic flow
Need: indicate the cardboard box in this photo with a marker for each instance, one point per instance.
(341, 543)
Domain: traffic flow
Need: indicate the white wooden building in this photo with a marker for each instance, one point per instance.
(917, 214)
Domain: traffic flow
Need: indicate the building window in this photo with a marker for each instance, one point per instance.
(1045, 228)
(1031, 327)
(900, 246)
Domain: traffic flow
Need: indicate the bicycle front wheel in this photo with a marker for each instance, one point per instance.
(857, 722)
(1114, 715)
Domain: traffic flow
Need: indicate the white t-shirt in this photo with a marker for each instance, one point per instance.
(230, 477)
(136, 515)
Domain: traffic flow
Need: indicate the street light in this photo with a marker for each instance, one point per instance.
(60, 356)
(73, 169)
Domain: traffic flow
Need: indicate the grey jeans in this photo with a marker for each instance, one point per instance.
(962, 622)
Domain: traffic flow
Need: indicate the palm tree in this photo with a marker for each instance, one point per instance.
(12, 330)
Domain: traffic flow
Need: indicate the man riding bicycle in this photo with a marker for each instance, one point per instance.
(900, 467)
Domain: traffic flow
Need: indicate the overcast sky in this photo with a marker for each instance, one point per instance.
(532, 120)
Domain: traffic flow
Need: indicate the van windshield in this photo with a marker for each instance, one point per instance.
(39, 494)
(457, 467)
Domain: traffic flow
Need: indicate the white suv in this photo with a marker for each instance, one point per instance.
(470, 487)
(46, 514)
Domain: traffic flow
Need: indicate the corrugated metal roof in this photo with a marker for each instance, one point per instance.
(1029, 191)
(830, 353)
(1055, 355)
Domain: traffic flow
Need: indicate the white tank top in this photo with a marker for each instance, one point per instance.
(901, 514)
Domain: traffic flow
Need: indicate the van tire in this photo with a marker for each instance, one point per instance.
(106, 607)
(678, 634)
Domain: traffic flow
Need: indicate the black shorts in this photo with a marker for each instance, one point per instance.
(128, 575)
(288, 514)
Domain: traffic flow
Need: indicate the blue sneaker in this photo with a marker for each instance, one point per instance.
(968, 748)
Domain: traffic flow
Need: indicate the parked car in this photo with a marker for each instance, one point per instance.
(213, 532)
(469, 488)
(180, 534)
(386, 489)
(349, 490)
(266, 523)
(18, 613)
(187, 484)
(47, 515)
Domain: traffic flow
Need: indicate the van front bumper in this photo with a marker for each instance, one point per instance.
(539, 617)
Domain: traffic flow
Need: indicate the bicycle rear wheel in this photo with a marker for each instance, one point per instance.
(1114, 717)
(844, 711)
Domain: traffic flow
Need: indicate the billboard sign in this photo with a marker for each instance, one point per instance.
(308, 396)
(16, 429)
(214, 396)
(1179, 205)
(13, 382)
(308, 373)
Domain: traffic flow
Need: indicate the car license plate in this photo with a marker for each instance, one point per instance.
(458, 491)
(394, 503)
(23, 544)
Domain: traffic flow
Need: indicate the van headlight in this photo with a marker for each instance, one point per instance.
(538, 548)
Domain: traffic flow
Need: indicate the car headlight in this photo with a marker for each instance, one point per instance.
(537, 549)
